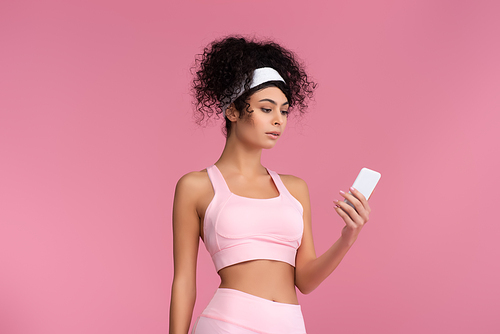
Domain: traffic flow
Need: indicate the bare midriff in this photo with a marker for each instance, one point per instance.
(272, 280)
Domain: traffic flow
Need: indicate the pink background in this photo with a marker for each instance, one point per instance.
(96, 128)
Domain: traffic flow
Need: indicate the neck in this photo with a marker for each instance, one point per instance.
(241, 158)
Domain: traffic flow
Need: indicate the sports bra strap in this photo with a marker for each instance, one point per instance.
(218, 182)
(279, 184)
(285, 194)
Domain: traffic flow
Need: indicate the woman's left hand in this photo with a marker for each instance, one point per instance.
(354, 218)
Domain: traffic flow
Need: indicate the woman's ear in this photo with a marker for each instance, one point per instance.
(231, 113)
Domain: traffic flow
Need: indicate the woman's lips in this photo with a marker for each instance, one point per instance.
(273, 135)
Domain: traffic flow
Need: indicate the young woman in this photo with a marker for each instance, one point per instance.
(255, 223)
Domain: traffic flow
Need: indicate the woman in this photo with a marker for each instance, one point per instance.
(255, 223)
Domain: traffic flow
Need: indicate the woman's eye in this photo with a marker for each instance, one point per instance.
(285, 112)
(266, 110)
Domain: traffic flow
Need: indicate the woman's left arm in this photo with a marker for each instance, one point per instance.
(311, 270)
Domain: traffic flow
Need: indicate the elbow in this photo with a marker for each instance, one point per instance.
(306, 281)
(186, 288)
(305, 291)
(304, 288)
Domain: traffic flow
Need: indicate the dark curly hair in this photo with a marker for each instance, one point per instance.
(225, 64)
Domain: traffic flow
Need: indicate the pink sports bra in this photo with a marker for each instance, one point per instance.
(238, 229)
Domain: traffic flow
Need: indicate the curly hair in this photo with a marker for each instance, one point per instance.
(225, 64)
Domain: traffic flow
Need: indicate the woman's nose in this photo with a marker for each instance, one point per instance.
(278, 118)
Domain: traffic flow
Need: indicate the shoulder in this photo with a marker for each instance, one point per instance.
(293, 181)
(192, 179)
(296, 186)
(193, 183)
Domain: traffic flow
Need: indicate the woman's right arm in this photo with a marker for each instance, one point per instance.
(186, 232)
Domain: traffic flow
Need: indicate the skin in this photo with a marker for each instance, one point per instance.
(240, 165)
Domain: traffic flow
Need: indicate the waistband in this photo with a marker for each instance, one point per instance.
(255, 313)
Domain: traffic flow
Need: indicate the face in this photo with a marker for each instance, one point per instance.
(267, 122)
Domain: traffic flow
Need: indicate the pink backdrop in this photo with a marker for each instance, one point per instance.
(96, 128)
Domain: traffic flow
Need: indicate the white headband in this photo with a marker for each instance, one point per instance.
(260, 75)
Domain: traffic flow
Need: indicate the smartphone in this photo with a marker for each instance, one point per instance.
(365, 183)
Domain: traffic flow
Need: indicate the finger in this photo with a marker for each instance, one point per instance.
(353, 215)
(358, 215)
(358, 206)
(361, 198)
(347, 219)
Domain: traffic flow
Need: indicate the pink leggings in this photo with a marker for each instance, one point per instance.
(235, 312)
